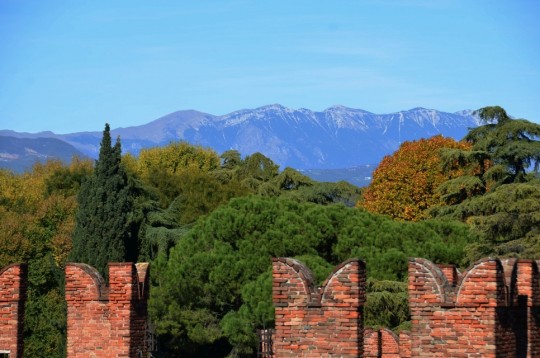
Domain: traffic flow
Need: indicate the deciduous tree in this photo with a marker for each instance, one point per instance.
(37, 212)
(405, 183)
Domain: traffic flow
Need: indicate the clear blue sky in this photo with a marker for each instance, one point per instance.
(71, 66)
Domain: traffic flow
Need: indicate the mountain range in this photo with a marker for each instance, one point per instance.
(19, 154)
(336, 138)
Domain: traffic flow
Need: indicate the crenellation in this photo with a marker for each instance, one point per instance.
(13, 287)
(106, 321)
(318, 321)
(492, 309)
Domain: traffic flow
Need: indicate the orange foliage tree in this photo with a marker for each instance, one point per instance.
(404, 185)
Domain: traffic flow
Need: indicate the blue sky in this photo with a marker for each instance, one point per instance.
(71, 66)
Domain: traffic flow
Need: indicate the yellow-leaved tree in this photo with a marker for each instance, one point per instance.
(404, 185)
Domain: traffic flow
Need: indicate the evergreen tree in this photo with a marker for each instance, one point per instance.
(498, 195)
(215, 288)
(102, 232)
(503, 150)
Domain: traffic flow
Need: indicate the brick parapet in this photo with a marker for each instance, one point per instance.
(452, 274)
(452, 320)
(525, 296)
(106, 321)
(316, 321)
(13, 289)
(489, 312)
(383, 343)
(405, 344)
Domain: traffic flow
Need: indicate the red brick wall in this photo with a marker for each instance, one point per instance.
(525, 300)
(384, 343)
(405, 344)
(491, 310)
(13, 283)
(318, 321)
(451, 273)
(460, 320)
(106, 321)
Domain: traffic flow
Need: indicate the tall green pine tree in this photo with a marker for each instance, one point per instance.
(102, 232)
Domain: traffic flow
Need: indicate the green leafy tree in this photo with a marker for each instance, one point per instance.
(160, 168)
(326, 193)
(102, 232)
(231, 159)
(513, 145)
(257, 169)
(506, 219)
(387, 305)
(286, 181)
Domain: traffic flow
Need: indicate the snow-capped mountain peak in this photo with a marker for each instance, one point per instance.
(338, 137)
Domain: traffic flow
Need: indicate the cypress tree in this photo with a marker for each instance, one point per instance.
(102, 233)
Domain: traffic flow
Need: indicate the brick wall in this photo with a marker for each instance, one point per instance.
(490, 310)
(318, 321)
(524, 298)
(106, 321)
(13, 283)
(385, 343)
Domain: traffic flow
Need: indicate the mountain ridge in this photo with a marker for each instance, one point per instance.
(337, 137)
(19, 154)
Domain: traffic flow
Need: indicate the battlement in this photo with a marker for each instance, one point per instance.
(489, 310)
(387, 344)
(13, 283)
(492, 309)
(316, 321)
(481, 284)
(106, 321)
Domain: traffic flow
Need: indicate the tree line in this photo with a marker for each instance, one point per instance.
(210, 224)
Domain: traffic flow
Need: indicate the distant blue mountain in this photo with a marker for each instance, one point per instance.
(19, 154)
(338, 137)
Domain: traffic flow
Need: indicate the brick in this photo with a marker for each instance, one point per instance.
(106, 321)
(13, 284)
(327, 319)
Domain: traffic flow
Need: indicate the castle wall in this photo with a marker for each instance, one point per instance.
(13, 284)
(385, 343)
(106, 321)
(490, 310)
(318, 321)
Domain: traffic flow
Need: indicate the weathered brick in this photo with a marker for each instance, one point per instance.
(106, 321)
(13, 284)
(327, 319)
